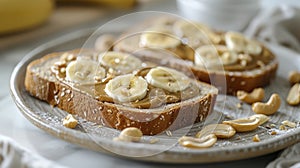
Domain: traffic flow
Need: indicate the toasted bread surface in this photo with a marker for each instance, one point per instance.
(44, 85)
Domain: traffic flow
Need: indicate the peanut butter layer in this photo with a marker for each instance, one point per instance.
(257, 61)
(155, 97)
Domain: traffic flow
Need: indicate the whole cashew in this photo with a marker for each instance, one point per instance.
(244, 124)
(203, 142)
(256, 95)
(220, 130)
(293, 97)
(130, 134)
(268, 108)
(294, 77)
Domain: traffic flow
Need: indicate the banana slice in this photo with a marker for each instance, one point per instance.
(229, 57)
(120, 62)
(214, 56)
(238, 42)
(84, 71)
(235, 41)
(253, 47)
(159, 37)
(168, 79)
(127, 88)
(196, 33)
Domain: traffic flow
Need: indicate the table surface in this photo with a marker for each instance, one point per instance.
(14, 125)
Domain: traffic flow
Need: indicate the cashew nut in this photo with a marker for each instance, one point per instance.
(70, 122)
(282, 127)
(130, 134)
(256, 95)
(289, 123)
(256, 138)
(294, 77)
(203, 142)
(262, 118)
(268, 108)
(273, 133)
(244, 124)
(220, 130)
(293, 97)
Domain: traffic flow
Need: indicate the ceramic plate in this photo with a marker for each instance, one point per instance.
(99, 138)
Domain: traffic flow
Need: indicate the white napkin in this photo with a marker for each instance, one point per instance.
(12, 155)
(290, 157)
(278, 25)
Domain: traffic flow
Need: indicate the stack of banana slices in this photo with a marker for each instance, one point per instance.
(125, 85)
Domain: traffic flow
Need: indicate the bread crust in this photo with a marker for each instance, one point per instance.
(151, 122)
(236, 81)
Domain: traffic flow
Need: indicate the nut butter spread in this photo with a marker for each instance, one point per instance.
(155, 96)
(229, 51)
(249, 62)
(234, 52)
(245, 61)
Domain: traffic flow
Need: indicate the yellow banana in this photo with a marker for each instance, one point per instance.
(113, 3)
(18, 15)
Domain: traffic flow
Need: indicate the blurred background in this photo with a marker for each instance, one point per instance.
(26, 21)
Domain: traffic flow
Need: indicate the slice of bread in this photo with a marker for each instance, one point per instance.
(258, 72)
(42, 83)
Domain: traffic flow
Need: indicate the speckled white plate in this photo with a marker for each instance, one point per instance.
(97, 138)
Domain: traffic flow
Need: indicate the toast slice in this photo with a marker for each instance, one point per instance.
(47, 79)
(238, 63)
